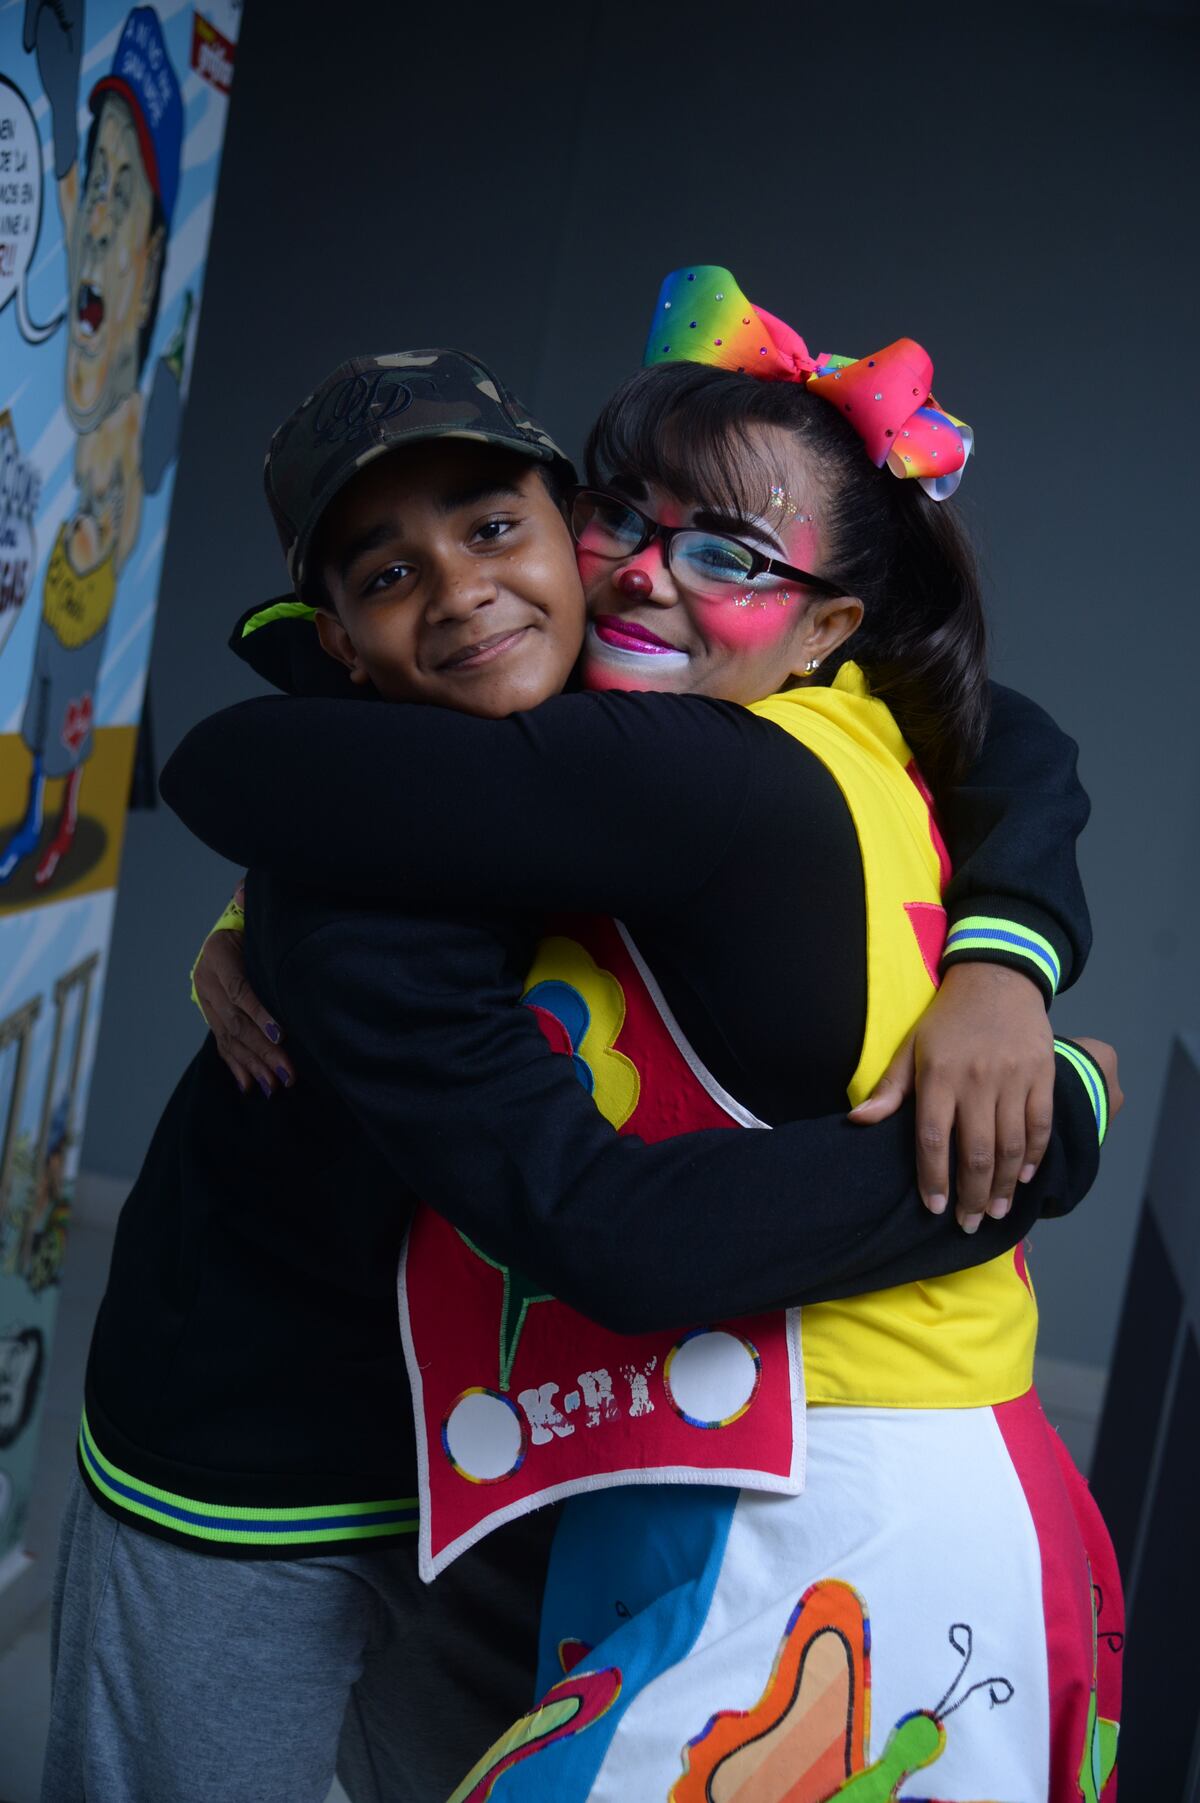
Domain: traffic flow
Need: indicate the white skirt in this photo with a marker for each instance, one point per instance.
(928, 1605)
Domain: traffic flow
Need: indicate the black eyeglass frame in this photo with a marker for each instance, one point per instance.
(760, 565)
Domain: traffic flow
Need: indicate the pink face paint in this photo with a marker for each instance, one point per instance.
(756, 618)
(751, 620)
(592, 569)
(744, 622)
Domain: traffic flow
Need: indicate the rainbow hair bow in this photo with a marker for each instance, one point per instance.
(703, 317)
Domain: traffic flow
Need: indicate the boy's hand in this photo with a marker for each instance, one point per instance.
(247, 1038)
(982, 1061)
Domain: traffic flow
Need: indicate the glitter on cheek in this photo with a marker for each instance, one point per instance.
(752, 619)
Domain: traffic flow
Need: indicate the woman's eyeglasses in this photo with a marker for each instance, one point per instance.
(708, 564)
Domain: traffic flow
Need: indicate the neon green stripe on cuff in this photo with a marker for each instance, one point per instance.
(1092, 1081)
(244, 1525)
(980, 932)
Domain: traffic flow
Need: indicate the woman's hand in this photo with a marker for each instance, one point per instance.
(247, 1038)
(981, 1059)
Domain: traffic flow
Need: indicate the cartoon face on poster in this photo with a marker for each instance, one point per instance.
(112, 122)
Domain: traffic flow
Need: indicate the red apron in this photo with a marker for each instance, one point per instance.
(520, 1400)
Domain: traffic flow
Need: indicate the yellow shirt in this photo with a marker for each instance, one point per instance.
(953, 1342)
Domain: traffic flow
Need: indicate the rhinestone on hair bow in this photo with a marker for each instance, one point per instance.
(703, 317)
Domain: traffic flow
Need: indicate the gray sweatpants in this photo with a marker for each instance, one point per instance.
(182, 1677)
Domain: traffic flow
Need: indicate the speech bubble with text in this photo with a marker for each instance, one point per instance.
(21, 188)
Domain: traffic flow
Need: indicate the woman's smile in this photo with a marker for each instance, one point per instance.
(625, 648)
(630, 635)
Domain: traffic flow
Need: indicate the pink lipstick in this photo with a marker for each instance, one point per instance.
(630, 635)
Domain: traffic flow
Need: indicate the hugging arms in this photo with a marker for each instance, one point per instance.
(549, 811)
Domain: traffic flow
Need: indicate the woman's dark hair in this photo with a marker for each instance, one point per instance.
(922, 643)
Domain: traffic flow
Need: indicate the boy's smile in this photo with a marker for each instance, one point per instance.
(448, 576)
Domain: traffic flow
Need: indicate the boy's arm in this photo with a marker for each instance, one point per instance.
(464, 1099)
(632, 799)
(616, 804)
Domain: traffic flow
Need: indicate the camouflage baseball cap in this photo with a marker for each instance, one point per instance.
(372, 405)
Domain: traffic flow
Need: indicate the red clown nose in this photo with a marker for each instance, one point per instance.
(633, 582)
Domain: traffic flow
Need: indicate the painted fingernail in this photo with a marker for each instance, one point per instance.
(284, 1076)
(1027, 1173)
(264, 1086)
(999, 1207)
(272, 1032)
(971, 1224)
(936, 1205)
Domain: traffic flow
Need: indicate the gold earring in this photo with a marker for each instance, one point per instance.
(813, 664)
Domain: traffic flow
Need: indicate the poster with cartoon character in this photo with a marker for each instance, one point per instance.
(112, 121)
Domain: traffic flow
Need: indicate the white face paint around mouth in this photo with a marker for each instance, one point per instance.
(620, 657)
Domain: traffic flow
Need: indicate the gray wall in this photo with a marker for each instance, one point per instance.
(1011, 185)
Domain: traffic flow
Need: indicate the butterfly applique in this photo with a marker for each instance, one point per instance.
(806, 1740)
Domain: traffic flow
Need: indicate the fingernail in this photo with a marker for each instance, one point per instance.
(272, 1032)
(936, 1205)
(1027, 1173)
(284, 1076)
(264, 1086)
(243, 1088)
(971, 1224)
(999, 1207)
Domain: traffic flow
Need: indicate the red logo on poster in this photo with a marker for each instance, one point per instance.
(212, 54)
(77, 722)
